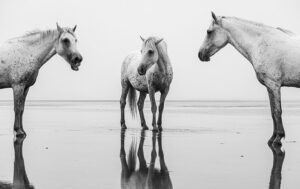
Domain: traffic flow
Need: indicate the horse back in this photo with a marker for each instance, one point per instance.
(17, 65)
(278, 59)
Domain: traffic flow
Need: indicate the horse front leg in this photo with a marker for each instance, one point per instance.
(153, 107)
(163, 96)
(140, 105)
(275, 103)
(125, 89)
(20, 93)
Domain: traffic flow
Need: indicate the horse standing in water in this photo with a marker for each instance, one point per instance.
(147, 71)
(273, 52)
(146, 177)
(22, 57)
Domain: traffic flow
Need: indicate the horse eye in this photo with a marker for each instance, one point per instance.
(66, 41)
(209, 32)
(150, 52)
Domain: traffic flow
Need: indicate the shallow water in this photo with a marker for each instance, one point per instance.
(75, 145)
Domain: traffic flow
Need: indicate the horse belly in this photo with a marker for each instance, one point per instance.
(4, 75)
(291, 70)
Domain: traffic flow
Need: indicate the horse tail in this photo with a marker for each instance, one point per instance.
(132, 157)
(132, 101)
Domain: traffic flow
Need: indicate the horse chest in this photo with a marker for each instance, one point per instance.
(24, 73)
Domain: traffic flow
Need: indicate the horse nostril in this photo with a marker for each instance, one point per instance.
(200, 55)
(77, 59)
(141, 71)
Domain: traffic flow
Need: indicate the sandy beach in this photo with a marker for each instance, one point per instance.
(75, 145)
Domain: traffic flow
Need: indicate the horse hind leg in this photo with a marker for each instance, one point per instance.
(125, 90)
(140, 105)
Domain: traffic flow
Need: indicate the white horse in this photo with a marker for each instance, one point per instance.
(147, 71)
(273, 52)
(21, 59)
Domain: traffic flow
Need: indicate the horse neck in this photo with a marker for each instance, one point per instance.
(43, 48)
(243, 35)
(163, 61)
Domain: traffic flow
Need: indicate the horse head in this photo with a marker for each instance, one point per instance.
(216, 38)
(66, 47)
(149, 54)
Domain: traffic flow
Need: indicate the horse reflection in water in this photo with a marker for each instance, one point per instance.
(146, 177)
(20, 180)
(278, 157)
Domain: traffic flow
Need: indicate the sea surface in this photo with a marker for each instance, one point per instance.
(204, 144)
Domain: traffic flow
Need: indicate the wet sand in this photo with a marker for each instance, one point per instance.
(75, 145)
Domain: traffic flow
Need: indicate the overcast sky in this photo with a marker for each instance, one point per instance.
(108, 30)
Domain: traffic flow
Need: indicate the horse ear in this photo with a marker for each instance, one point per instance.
(142, 38)
(59, 29)
(158, 41)
(74, 28)
(214, 17)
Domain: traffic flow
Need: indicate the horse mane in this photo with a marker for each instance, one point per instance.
(42, 34)
(260, 25)
(286, 31)
(161, 47)
(256, 24)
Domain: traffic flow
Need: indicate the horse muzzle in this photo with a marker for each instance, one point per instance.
(203, 57)
(141, 70)
(76, 62)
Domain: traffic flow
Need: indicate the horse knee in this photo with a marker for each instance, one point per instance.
(122, 103)
(161, 107)
(140, 105)
(277, 112)
(153, 108)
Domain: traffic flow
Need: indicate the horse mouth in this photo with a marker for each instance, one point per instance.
(75, 67)
(205, 59)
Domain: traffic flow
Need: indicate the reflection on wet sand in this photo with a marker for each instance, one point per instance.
(146, 177)
(278, 157)
(20, 180)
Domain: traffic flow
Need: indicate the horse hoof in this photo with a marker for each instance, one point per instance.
(123, 126)
(160, 128)
(271, 140)
(155, 129)
(277, 141)
(20, 134)
(145, 127)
